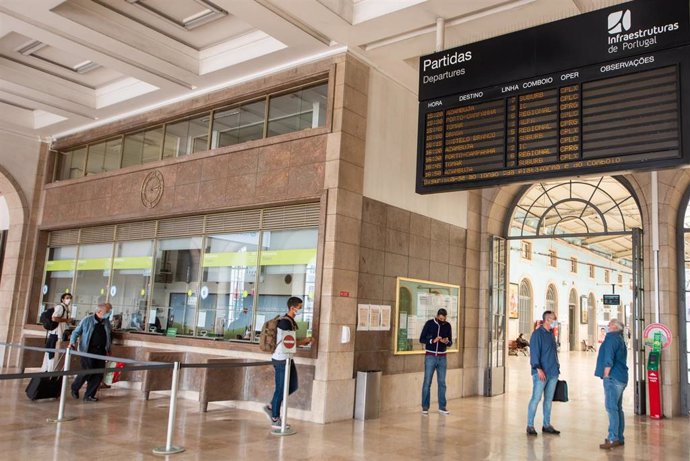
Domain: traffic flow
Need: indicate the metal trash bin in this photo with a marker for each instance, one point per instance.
(368, 395)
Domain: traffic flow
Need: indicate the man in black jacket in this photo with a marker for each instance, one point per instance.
(436, 336)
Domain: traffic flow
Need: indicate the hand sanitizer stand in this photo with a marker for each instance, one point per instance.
(287, 344)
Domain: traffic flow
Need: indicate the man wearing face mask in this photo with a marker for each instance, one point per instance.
(436, 336)
(96, 338)
(545, 371)
(61, 315)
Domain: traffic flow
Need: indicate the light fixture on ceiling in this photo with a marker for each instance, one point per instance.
(31, 47)
(209, 13)
(86, 66)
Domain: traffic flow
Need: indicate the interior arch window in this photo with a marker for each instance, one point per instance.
(551, 298)
(525, 308)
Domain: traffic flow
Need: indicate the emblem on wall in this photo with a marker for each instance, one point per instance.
(152, 189)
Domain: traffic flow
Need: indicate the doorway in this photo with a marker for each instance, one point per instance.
(583, 237)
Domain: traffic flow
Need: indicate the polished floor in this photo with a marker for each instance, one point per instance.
(125, 427)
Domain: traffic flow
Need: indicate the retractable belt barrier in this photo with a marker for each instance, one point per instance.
(169, 448)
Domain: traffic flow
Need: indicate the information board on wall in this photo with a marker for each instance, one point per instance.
(604, 91)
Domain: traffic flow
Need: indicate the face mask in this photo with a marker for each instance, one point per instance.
(554, 323)
(67, 301)
(108, 315)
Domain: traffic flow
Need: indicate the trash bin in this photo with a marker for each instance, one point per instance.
(368, 394)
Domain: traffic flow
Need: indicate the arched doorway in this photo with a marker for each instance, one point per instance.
(584, 233)
(11, 269)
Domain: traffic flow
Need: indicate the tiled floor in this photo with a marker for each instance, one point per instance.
(123, 426)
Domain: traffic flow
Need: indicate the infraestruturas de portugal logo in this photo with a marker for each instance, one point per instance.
(619, 21)
(623, 38)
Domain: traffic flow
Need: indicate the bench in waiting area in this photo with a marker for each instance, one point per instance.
(587, 347)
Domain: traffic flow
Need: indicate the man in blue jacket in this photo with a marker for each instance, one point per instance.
(613, 370)
(543, 352)
(436, 336)
(96, 337)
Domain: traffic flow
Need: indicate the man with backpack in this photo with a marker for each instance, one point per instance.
(285, 323)
(56, 323)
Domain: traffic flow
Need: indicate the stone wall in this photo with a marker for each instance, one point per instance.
(398, 243)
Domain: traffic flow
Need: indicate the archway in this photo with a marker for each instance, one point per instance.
(11, 312)
(580, 232)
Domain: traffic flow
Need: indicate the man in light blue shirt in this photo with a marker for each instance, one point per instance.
(545, 371)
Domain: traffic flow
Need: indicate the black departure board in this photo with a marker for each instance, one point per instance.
(624, 114)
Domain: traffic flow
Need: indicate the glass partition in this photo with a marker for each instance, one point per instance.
(228, 291)
(93, 275)
(72, 164)
(104, 156)
(131, 283)
(239, 124)
(186, 137)
(301, 109)
(297, 111)
(176, 284)
(142, 147)
(59, 275)
(287, 268)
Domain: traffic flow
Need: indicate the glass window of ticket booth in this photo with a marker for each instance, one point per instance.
(221, 286)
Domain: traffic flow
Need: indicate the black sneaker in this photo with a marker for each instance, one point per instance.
(75, 394)
(531, 430)
(549, 430)
(90, 399)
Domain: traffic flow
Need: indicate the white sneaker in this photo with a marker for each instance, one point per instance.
(444, 412)
(425, 412)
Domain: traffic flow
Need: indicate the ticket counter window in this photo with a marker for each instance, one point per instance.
(130, 284)
(176, 281)
(59, 274)
(228, 286)
(287, 268)
(92, 277)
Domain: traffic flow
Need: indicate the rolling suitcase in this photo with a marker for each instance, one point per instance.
(45, 388)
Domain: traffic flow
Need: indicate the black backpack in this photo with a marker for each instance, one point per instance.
(46, 319)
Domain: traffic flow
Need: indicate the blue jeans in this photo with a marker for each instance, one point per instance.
(547, 388)
(279, 368)
(434, 363)
(613, 400)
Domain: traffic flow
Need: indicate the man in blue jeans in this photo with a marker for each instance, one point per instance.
(545, 371)
(613, 370)
(436, 336)
(279, 359)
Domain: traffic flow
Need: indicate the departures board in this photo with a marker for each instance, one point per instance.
(619, 115)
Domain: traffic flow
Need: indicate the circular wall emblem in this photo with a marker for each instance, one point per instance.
(152, 189)
(666, 337)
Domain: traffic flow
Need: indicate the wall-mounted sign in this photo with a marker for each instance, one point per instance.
(612, 300)
(603, 91)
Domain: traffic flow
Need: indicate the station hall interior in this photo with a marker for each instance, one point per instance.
(197, 163)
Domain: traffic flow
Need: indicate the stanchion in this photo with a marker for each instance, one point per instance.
(169, 449)
(284, 428)
(63, 393)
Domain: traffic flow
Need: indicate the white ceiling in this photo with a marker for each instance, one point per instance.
(69, 64)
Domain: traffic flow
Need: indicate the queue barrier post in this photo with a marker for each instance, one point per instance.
(169, 449)
(63, 394)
